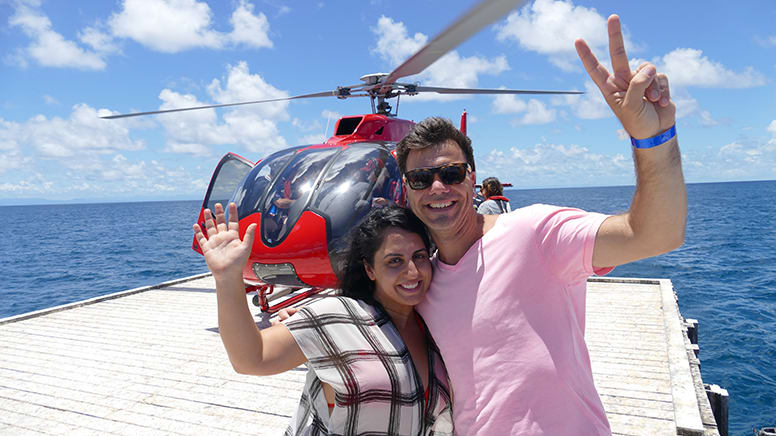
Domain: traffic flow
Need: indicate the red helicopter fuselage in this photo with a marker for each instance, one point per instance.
(305, 199)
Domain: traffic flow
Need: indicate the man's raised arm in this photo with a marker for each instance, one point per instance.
(641, 100)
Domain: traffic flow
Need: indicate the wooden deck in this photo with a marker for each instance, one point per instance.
(149, 361)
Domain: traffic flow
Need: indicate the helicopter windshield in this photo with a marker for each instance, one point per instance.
(362, 177)
(359, 179)
(341, 184)
(287, 198)
(251, 191)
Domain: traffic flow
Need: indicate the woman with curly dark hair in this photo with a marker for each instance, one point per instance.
(372, 365)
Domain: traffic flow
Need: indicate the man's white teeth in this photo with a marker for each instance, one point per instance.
(440, 205)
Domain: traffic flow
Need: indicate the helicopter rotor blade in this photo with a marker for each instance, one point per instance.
(441, 90)
(136, 114)
(480, 16)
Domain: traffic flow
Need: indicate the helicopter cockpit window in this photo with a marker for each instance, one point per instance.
(291, 191)
(249, 195)
(362, 177)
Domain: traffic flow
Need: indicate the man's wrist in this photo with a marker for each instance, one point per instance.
(655, 140)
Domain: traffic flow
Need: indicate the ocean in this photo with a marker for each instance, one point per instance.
(725, 274)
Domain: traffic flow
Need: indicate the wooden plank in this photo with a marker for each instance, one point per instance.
(688, 418)
(632, 329)
(148, 362)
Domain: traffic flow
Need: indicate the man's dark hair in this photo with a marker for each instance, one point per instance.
(364, 242)
(491, 186)
(430, 132)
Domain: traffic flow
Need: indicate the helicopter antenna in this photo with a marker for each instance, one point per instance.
(328, 120)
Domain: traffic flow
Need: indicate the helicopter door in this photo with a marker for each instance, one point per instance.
(230, 171)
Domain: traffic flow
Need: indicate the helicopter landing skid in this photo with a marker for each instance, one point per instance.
(265, 294)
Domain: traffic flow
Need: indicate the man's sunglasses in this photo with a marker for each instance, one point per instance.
(450, 174)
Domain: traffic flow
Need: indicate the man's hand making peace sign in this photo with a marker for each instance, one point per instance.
(640, 99)
(642, 102)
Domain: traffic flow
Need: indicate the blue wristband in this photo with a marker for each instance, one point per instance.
(655, 140)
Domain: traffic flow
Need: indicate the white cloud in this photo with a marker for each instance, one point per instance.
(312, 139)
(551, 27)
(772, 127)
(688, 67)
(508, 104)
(686, 105)
(168, 26)
(537, 113)
(97, 171)
(556, 165)
(533, 111)
(26, 187)
(253, 126)
(739, 160)
(588, 106)
(306, 126)
(9, 135)
(249, 29)
(171, 26)
(98, 40)
(191, 148)
(707, 120)
(750, 153)
(11, 156)
(766, 41)
(394, 45)
(187, 131)
(49, 48)
(82, 134)
(331, 115)
(241, 85)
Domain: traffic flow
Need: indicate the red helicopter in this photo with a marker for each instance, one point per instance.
(305, 199)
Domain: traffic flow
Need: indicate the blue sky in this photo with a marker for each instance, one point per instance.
(64, 63)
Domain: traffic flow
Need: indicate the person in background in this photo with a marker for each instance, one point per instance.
(495, 202)
(478, 199)
(372, 365)
(507, 301)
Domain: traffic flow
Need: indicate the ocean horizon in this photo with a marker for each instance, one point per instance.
(37, 201)
(724, 275)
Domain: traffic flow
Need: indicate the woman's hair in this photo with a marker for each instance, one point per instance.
(491, 186)
(364, 242)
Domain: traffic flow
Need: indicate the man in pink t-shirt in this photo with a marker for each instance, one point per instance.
(507, 302)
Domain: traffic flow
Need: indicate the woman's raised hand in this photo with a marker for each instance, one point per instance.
(224, 252)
